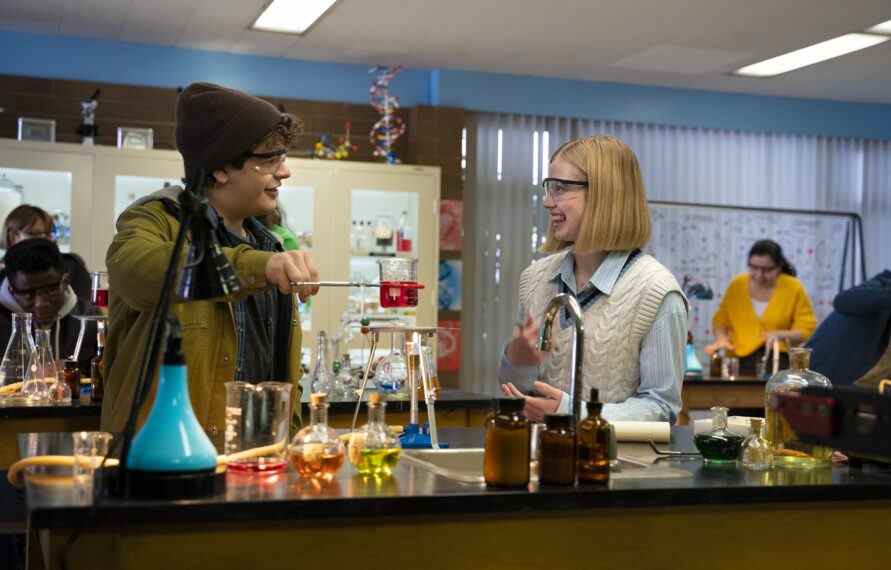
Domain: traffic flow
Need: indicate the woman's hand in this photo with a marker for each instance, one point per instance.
(522, 350)
(714, 347)
(536, 407)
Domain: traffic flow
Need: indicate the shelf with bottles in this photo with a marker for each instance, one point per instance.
(383, 223)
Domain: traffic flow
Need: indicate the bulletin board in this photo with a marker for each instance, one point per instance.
(705, 246)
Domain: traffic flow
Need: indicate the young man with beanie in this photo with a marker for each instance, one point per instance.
(239, 143)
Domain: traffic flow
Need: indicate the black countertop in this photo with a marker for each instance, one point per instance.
(74, 409)
(414, 491)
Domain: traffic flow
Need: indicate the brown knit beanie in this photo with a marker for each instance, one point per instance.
(216, 125)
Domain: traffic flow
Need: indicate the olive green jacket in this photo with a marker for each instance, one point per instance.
(136, 261)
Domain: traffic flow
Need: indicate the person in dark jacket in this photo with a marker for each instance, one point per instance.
(28, 222)
(37, 282)
(856, 334)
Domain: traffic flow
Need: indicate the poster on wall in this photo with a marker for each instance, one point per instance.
(451, 225)
(450, 285)
(448, 347)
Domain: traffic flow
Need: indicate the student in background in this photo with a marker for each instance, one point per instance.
(27, 222)
(765, 304)
(37, 282)
(856, 334)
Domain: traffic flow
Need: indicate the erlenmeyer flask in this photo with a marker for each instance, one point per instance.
(42, 371)
(321, 380)
(18, 350)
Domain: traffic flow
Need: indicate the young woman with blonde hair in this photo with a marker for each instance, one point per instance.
(635, 315)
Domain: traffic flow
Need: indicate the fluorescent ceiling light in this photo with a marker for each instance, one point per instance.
(883, 28)
(812, 54)
(291, 16)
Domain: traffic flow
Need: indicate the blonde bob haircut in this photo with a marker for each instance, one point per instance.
(616, 216)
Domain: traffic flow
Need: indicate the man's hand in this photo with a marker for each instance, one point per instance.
(522, 350)
(536, 408)
(289, 267)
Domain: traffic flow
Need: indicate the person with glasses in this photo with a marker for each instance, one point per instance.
(238, 145)
(634, 313)
(766, 304)
(37, 282)
(28, 222)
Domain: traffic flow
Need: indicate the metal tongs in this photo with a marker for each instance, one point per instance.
(666, 454)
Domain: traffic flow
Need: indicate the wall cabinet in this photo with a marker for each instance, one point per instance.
(349, 214)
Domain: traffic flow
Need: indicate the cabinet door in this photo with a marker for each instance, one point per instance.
(56, 180)
(306, 200)
(388, 211)
(121, 178)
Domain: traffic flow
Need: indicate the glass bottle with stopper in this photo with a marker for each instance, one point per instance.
(373, 449)
(756, 453)
(720, 446)
(788, 449)
(316, 451)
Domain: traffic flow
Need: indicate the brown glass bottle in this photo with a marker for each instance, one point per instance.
(557, 453)
(593, 444)
(716, 361)
(506, 458)
(97, 380)
(71, 375)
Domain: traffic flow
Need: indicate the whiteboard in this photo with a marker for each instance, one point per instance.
(708, 246)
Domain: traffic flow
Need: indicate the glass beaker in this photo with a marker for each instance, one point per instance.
(18, 350)
(99, 289)
(42, 371)
(399, 282)
(258, 417)
(90, 448)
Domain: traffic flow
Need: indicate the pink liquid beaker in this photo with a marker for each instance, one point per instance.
(399, 282)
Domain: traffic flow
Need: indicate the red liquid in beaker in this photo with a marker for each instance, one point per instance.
(261, 465)
(100, 297)
(399, 294)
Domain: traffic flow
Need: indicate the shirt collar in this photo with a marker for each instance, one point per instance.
(604, 278)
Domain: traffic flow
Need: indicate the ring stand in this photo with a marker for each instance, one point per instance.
(414, 436)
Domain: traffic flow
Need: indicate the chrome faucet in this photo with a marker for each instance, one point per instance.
(578, 348)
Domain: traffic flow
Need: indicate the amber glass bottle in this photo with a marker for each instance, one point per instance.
(96, 378)
(506, 458)
(557, 459)
(593, 444)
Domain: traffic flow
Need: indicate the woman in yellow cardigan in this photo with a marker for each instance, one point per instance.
(766, 303)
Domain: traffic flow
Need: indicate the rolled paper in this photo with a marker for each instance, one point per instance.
(736, 424)
(660, 432)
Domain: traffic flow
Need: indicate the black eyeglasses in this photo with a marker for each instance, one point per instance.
(268, 162)
(47, 291)
(557, 188)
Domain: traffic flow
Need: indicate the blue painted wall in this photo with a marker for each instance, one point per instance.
(62, 57)
(138, 64)
(662, 105)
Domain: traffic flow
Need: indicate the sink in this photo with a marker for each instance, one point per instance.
(466, 465)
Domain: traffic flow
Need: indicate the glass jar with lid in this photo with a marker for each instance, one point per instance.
(788, 450)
